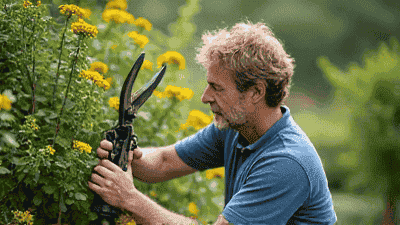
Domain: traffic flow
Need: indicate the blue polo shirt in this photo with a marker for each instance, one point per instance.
(277, 180)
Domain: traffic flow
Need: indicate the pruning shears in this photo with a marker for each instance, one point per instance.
(123, 137)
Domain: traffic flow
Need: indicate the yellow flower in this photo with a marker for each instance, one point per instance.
(5, 103)
(147, 65)
(86, 13)
(114, 102)
(217, 172)
(118, 16)
(178, 92)
(39, 3)
(81, 146)
(153, 193)
(96, 78)
(113, 47)
(174, 91)
(196, 119)
(171, 57)
(131, 223)
(109, 80)
(142, 22)
(193, 208)
(23, 216)
(141, 40)
(99, 67)
(81, 27)
(70, 10)
(27, 3)
(50, 149)
(117, 4)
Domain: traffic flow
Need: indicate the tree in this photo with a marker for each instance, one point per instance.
(372, 94)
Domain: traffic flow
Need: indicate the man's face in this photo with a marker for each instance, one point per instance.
(227, 103)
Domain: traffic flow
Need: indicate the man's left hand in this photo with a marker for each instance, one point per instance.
(113, 185)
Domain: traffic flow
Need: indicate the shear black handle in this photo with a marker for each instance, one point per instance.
(124, 140)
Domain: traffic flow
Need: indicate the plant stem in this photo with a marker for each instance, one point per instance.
(33, 67)
(74, 62)
(59, 61)
(59, 213)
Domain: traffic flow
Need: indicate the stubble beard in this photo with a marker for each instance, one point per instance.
(235, 118)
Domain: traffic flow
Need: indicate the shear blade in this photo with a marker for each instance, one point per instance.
(141, 95)
(127, 88)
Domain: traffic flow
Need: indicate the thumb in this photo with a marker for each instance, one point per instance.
(130, 158)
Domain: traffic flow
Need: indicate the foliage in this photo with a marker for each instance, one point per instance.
(60, 78)
(369, 97)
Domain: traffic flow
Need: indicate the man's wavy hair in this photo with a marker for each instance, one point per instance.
(253, 52)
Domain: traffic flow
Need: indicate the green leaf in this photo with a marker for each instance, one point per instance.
(40, 113)
(40, 98)
(17, 161)
(62, 205)
(9, 139)
(37, 176)
(4, 170)
(60, 165)
(49, 189)
(37, 200)
(69, 201)
(80, 196)
(6, 116)
(92, 216)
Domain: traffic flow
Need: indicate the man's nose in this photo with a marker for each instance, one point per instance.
(206, 98)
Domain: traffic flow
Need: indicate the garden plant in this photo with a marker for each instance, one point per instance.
(60, 78)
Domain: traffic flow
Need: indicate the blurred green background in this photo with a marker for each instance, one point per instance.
(345, 92)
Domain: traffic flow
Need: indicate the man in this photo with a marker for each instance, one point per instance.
(273, 172)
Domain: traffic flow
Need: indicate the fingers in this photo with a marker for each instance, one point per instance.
(103, 150)
(106, 144)
(137, 153)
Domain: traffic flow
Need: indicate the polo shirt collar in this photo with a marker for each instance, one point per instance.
(243, 144)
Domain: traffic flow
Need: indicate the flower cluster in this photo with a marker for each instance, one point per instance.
(50, 149)
(28, 4)
(5, 103)
(81, 27)
(114, 102)
(34, 125)
(81, 146)
(217, 172)
(140, 39)
(24, 217)
(193, 208)
(142, 22)
(117, 4)
(177, 92)
(147, 65)
(171, 57)
(70, 10)
(196, 119)
(99, 67)
(96, 78)
(118, 16)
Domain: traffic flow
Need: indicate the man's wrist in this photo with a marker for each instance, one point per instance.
(144, 210)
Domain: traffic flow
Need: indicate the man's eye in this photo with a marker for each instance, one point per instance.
(217, 88)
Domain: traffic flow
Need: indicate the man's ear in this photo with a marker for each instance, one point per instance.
(258, 91)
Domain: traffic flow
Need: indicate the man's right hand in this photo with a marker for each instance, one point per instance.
(106, 146)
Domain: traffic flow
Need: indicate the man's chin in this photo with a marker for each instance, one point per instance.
(222, 126)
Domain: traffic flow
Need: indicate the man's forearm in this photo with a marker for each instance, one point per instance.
(145, 211)
(148, 167)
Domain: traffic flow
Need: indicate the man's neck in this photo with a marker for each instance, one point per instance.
(262, 121)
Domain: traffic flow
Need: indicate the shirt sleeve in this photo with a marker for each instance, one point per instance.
(203, 150)
(274, 190)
